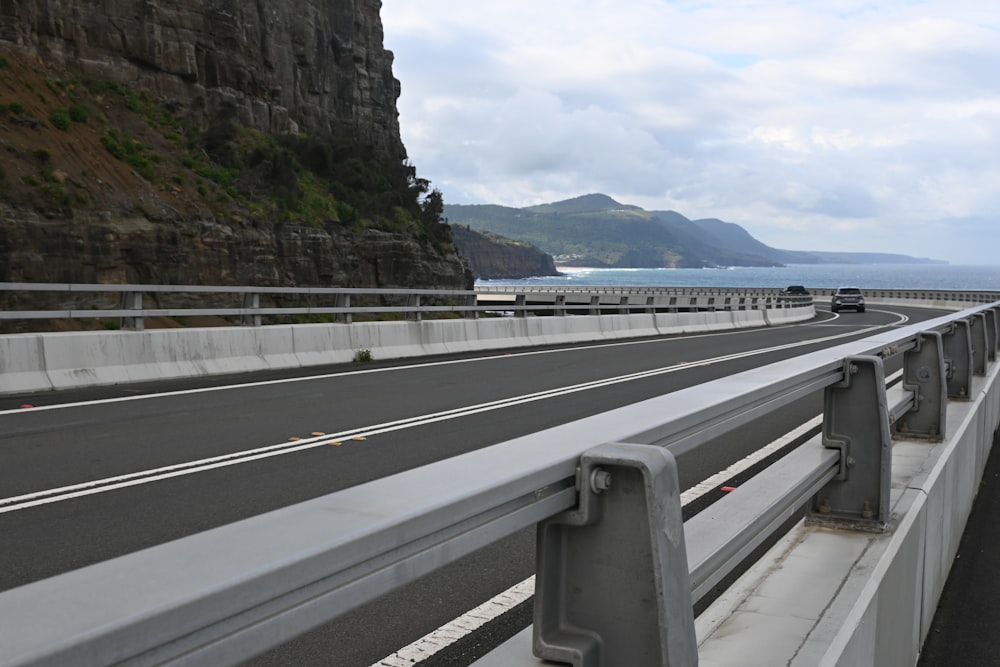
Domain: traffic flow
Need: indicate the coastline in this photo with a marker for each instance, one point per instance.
(814, 276)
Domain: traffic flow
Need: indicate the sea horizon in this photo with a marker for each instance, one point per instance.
(817, 276)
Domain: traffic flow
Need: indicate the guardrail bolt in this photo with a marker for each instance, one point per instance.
(867, 511)
(850, 461)
(600, 480)
(824, 506)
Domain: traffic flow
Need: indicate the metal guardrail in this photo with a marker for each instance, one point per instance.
(91, 301)
(939, 296)
(618, 568)
(968, 296)
(84, 301)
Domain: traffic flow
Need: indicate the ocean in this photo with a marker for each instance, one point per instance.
(817, 276)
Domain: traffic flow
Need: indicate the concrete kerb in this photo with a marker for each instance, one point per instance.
(388, 340)
(80, 359)
(684, 323)
(38, 362)
(781, 316)
(942, 304)
(319, 344)
(22, 364)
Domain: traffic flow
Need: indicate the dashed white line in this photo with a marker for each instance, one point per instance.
(47, 496)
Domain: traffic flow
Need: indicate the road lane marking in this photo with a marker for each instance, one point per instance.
(69, 492)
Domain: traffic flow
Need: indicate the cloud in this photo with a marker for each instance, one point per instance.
(802, 122)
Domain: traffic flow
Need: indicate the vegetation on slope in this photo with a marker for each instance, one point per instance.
(72, 144)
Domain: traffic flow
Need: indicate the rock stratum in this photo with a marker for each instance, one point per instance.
(219, 142)
(316, 66)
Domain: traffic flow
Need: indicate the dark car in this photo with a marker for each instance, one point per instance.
(847, 297)
(795, 294)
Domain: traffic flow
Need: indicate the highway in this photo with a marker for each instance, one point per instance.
(88, 475)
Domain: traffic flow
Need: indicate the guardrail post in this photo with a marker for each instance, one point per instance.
(623, 308)
(413, 301)
(996, 317)
(132, 301)
(991, 333)
(958, 358)
(650, 304)
(612, 583)
(595, 304)
(558, 307)
(343, 301)
(924, 375)
(519, 302)
(471, 302)
(980, 343)
(856, 421)
(251, 301)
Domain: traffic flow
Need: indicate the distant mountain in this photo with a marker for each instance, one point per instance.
(595, 230)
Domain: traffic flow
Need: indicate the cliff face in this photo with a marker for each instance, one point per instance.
(105, 249)
(316, 66)
(127, 195)
(493, 256)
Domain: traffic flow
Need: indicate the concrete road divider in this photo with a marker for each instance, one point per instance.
(38, 362)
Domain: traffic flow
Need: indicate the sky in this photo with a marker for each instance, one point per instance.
(819, 125)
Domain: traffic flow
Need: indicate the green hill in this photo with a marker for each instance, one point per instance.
(595, 230)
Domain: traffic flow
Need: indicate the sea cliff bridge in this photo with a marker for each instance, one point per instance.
(835, 550)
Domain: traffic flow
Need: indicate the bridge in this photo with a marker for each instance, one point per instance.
(854, 509)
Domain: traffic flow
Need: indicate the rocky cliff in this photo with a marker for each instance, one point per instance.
(492, 256)
(137, 250)
(210, 142)
(312, 66)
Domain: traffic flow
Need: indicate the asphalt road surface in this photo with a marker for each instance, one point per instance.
(88, 475)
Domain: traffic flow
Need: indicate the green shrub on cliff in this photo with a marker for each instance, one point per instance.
(79, 113)
(235, 172)
(60, 119)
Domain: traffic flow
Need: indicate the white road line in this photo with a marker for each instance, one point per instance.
(466, 624)
(37, 498)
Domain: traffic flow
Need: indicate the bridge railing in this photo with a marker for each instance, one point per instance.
(618, 568)
(251, 305)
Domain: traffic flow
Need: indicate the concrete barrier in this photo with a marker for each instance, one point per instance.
(22, 364)
(38, 362)
(824, 596)
(871, 597)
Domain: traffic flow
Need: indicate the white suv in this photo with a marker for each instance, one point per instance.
(847, 297)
